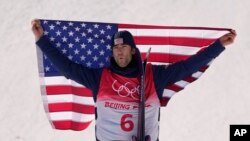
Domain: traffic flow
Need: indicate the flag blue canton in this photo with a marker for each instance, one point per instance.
(85, 43)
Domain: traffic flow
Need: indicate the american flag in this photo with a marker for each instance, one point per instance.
(69, 105)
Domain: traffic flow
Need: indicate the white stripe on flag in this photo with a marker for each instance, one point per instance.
(181, 83)
(160, 63)
(69, 98)
(60, 80)
(168, 93)
(197, 74)
(57, 116)
(182, 50)
(195, 33)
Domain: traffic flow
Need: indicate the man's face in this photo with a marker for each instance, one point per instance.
(123, 54)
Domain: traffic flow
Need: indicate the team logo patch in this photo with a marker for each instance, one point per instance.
(118, 41)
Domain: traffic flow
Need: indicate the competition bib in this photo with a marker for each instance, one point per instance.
(117, 108)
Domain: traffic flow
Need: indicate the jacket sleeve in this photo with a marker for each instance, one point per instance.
(83, 75)
(165, 75)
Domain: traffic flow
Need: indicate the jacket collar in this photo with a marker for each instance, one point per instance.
(130, 71)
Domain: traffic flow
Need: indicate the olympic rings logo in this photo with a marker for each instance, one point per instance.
(125, 90)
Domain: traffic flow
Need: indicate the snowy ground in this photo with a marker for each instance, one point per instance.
(202, 112)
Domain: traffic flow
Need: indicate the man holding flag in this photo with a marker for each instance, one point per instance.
(115, 89)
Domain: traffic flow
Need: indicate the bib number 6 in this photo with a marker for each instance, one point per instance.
(126, 123)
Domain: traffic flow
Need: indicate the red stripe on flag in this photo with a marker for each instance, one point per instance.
(164, 101)
(75, 107)
(68, 124)
(164, 57)
(189, 79)
(174, 87)
(68, 89)
(181, 41)
(136, 26)
(204, 68)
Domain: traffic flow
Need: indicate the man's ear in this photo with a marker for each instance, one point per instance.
(133, 51)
